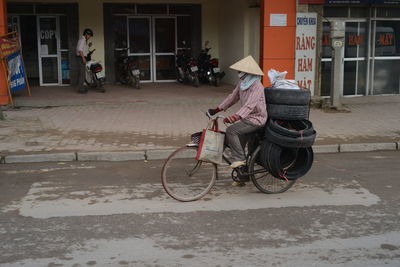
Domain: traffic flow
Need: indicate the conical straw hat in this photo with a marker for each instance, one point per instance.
(248, 65)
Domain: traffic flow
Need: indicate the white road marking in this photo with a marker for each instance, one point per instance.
(45, 200)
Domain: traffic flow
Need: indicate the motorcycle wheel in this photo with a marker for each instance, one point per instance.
(90, 81)
(134, 81)
(181, 75)
(196, 82)
(124, 79)
(217, 82)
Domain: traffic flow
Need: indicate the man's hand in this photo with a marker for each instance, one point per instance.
(213, 111)
(84, 60)
(232, 118)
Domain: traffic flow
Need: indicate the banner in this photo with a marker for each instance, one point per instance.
(8, 45)
(16, 72)
(306, 49)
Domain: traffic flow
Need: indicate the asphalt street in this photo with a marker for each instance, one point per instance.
(344, 212)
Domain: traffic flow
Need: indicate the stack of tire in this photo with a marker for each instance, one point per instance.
(287, 151)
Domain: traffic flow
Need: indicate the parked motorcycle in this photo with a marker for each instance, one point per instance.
(128, 71)
(209, 72)
(94, 76)
(186, 67)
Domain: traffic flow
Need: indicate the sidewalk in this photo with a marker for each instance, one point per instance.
(161, 117)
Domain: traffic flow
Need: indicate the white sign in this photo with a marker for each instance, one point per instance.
(306, 47)
(278, 20)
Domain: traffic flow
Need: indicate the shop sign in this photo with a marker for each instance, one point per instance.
(8, 45)
(306, 47)
(16, 71)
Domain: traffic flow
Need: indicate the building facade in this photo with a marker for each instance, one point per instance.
(155, 31)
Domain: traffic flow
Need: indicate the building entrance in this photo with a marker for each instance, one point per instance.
(152, 42)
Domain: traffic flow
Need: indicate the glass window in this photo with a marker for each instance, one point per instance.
(336, 11)
(64, 32)
(356, 39)
(151, 9)
(123, 9)
(120, 32)
(387, 40)
(359, 12)
(184, 28)
(15, 8)
(165, 35)
(139, 35)
(180, 9)
(326, 41)
(50, 9)
(388, 12)
(386, 77)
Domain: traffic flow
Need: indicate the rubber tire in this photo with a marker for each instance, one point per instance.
(217, 82)
(287, 141)
(264, 188)
(301, 165)
(301, 127)
(196, 81)
(287, 96)
(287, 112)
(177, 154)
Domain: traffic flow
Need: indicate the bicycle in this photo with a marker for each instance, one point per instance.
(186, 179)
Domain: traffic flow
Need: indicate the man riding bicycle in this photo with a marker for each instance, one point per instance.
(252, 114)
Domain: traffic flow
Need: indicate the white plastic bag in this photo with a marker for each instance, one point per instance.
(278, 80)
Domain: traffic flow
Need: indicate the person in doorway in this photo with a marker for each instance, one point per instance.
(252, 114)
(81, 52)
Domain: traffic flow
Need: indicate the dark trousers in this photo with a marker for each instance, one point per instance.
(80, 74)
(237, 136)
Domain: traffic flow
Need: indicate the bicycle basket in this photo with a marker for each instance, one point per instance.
(195, 138)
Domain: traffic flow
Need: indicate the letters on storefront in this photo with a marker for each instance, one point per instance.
(306, 44)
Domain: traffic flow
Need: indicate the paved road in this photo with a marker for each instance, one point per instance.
(345, 212)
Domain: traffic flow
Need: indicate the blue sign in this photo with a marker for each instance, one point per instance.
(16, 71)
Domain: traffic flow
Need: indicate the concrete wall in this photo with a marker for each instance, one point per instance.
(239, 34)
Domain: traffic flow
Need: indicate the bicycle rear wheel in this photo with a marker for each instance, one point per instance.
(263, 180)
(186, 179)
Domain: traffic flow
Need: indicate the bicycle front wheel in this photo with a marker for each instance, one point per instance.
(263, 180)
(186, 179)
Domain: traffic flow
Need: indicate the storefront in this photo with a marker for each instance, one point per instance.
(372, 49)
(152, 31)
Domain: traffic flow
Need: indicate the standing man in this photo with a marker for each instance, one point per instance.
(81, 52)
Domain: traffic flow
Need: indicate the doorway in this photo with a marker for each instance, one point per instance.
(53, 55)
(152, 42)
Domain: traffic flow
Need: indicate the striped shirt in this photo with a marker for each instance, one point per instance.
(252, 103)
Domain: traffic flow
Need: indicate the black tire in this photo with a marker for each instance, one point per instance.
(287, 112)
(291, 142)
(296, 169)
(296, 128)
(287, 96)
(186, 179)
(262, 179)
(217, 81)
(91, 83)
(196, 82)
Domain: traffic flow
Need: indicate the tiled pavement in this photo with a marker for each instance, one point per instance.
(162, 116)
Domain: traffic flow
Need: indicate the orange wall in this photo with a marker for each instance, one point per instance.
(3, 30)
(277, 43)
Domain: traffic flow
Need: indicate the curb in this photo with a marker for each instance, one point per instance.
(163, 154)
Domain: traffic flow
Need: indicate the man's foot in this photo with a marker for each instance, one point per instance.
(237, 164)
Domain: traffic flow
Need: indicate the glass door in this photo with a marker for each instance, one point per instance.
(164, 48)
(48, 50)
(139, 43)
(386, 58)
(355, 59)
